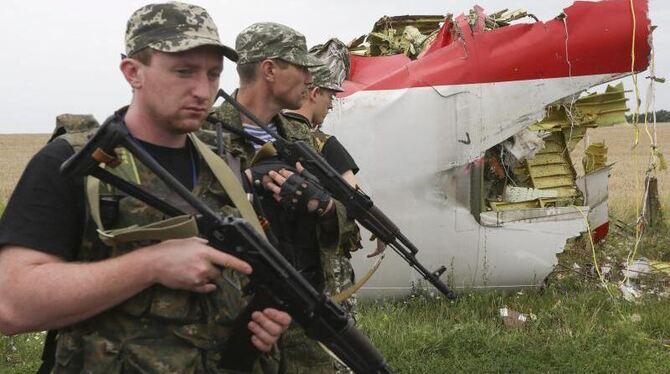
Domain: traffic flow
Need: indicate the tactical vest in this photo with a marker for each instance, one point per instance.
(236, 145)
(297, 123)
(159, 330)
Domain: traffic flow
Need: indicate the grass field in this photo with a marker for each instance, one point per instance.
(574, 325)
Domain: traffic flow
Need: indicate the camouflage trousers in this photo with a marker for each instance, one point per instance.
(302, 355)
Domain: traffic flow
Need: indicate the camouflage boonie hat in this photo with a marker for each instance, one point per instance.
(267, 40)
(335, 56)
(172, 27)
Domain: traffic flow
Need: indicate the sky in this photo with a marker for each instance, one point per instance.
(63, 56)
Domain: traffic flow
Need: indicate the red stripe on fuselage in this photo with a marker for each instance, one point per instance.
(599, 38)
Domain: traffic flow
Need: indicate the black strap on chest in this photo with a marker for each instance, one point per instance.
(48, 353)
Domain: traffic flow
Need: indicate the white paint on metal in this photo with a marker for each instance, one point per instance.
(414, 147)
(594, 187)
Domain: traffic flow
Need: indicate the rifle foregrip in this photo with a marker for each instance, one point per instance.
(379, 224)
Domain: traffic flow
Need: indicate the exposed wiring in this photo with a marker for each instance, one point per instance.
(573, 99)
(502, 163)
(641, 200)
(593, 252)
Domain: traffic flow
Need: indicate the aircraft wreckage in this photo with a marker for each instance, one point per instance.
(463, 128)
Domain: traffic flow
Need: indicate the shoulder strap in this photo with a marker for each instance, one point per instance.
(230, 183)
(48, 353)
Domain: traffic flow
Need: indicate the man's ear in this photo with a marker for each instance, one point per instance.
(313, 93)
(268, 70)
(132, 71)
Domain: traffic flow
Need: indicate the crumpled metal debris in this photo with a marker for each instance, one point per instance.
(501, 18)
(514, 194)
(540, 162)
(524, 144)
(638, 268)
(514, 319)
(595, 157)
(630, 292)
(409, 35)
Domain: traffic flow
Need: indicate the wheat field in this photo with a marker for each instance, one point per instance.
(625, 182)
(629, 165)
(15, 152)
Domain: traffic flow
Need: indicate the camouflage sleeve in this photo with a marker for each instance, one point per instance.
(339, 233)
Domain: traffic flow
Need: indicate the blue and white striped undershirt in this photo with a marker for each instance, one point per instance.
(258, 132)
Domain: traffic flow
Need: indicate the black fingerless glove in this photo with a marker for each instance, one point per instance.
(298, 190)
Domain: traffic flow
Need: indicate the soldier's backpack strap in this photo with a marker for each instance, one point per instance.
(75, 129)
(48, 353)
(230, 183)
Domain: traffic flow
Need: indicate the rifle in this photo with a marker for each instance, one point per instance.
(272, 276)
(359, 205)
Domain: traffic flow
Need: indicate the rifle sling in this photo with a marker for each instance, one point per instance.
(230, 183)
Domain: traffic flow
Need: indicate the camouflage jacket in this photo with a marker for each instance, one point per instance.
(159, 330)
(298, 123)
(242, 149)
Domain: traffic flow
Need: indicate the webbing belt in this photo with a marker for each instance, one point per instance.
(180, 227)
(175, 227)
(230, 183)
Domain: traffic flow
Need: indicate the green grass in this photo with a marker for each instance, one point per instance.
(579, 327)
(583, 331)
(21, 353)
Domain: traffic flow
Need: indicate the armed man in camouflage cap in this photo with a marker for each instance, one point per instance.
(273, 67)
(327, 82)
(127, 300)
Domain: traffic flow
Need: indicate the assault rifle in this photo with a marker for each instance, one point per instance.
(272, 275)
(359, 205)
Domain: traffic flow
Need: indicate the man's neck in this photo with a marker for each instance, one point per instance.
(144, 127)
(259, 102)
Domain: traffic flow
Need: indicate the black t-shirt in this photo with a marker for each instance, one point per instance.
(182, 163)
(333, 151)
(338, 157)
(46, 212)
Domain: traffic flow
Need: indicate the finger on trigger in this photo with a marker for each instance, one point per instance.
(223, 259)
(205, 288)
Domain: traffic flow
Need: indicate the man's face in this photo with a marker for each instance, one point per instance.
(178, 89)
(291, 85)
(323, 102)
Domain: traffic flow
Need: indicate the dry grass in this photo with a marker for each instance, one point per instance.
(630, 164)
(15, 152)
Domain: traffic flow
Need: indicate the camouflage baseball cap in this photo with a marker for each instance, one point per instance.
(267, 40)
(172, 27)
(335, 56)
